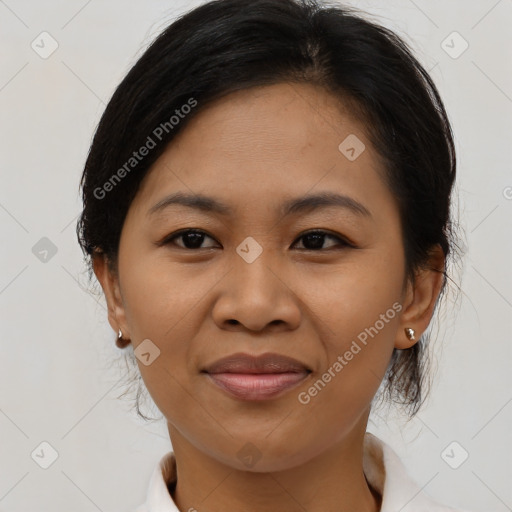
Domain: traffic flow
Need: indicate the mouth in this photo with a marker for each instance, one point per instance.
(261, 377)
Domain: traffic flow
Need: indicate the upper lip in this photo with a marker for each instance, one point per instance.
(264, 363)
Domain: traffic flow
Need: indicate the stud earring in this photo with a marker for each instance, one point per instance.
(121, 342)
(409, 333)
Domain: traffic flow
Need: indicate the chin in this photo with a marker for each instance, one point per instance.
(262, 454)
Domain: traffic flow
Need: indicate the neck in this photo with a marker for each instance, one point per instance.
(332, 480)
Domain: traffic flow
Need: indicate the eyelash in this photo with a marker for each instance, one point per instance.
(344, 243)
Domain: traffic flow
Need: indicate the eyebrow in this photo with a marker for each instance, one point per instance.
(302, 204)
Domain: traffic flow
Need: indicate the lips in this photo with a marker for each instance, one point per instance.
(262, 377)
(265, 363)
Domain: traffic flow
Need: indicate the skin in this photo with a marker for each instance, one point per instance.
(252, 150)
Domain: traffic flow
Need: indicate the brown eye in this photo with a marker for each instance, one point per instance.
(314, 240)
(191, 239)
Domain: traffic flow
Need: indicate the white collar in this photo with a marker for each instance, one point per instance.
(382, 467)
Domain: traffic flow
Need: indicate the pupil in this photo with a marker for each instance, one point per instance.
(198, 240)
(317, 243)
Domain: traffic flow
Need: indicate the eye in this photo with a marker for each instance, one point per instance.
(314, 239)
(193, 238)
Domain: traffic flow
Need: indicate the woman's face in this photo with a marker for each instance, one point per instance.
(257, 283)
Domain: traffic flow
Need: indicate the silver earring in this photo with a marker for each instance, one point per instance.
(119, 335)
(409, 333)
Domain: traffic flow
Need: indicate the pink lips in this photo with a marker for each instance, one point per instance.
(257, 377)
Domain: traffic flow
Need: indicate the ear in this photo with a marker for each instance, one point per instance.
(421, 298)
(110, 283)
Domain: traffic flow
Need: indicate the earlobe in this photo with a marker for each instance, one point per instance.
(421, 299)
(110, 284)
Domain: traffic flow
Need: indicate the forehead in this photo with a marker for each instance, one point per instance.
(257, 145)
(268, 119)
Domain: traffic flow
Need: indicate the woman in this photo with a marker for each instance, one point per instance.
(309, 156)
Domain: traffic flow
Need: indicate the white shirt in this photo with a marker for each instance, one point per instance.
(383, 470)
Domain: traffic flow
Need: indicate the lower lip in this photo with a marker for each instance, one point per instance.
(258, 386)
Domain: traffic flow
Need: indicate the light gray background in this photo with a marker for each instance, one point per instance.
(60, 370)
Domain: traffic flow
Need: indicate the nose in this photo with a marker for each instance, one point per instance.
(257, 296)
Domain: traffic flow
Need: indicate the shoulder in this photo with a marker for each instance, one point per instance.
(386, 473)
(158, 497)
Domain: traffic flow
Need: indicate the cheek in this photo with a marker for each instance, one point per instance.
(158, 297)
(358, 346)
(357, 311)
(354, 296)
(162, 302)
